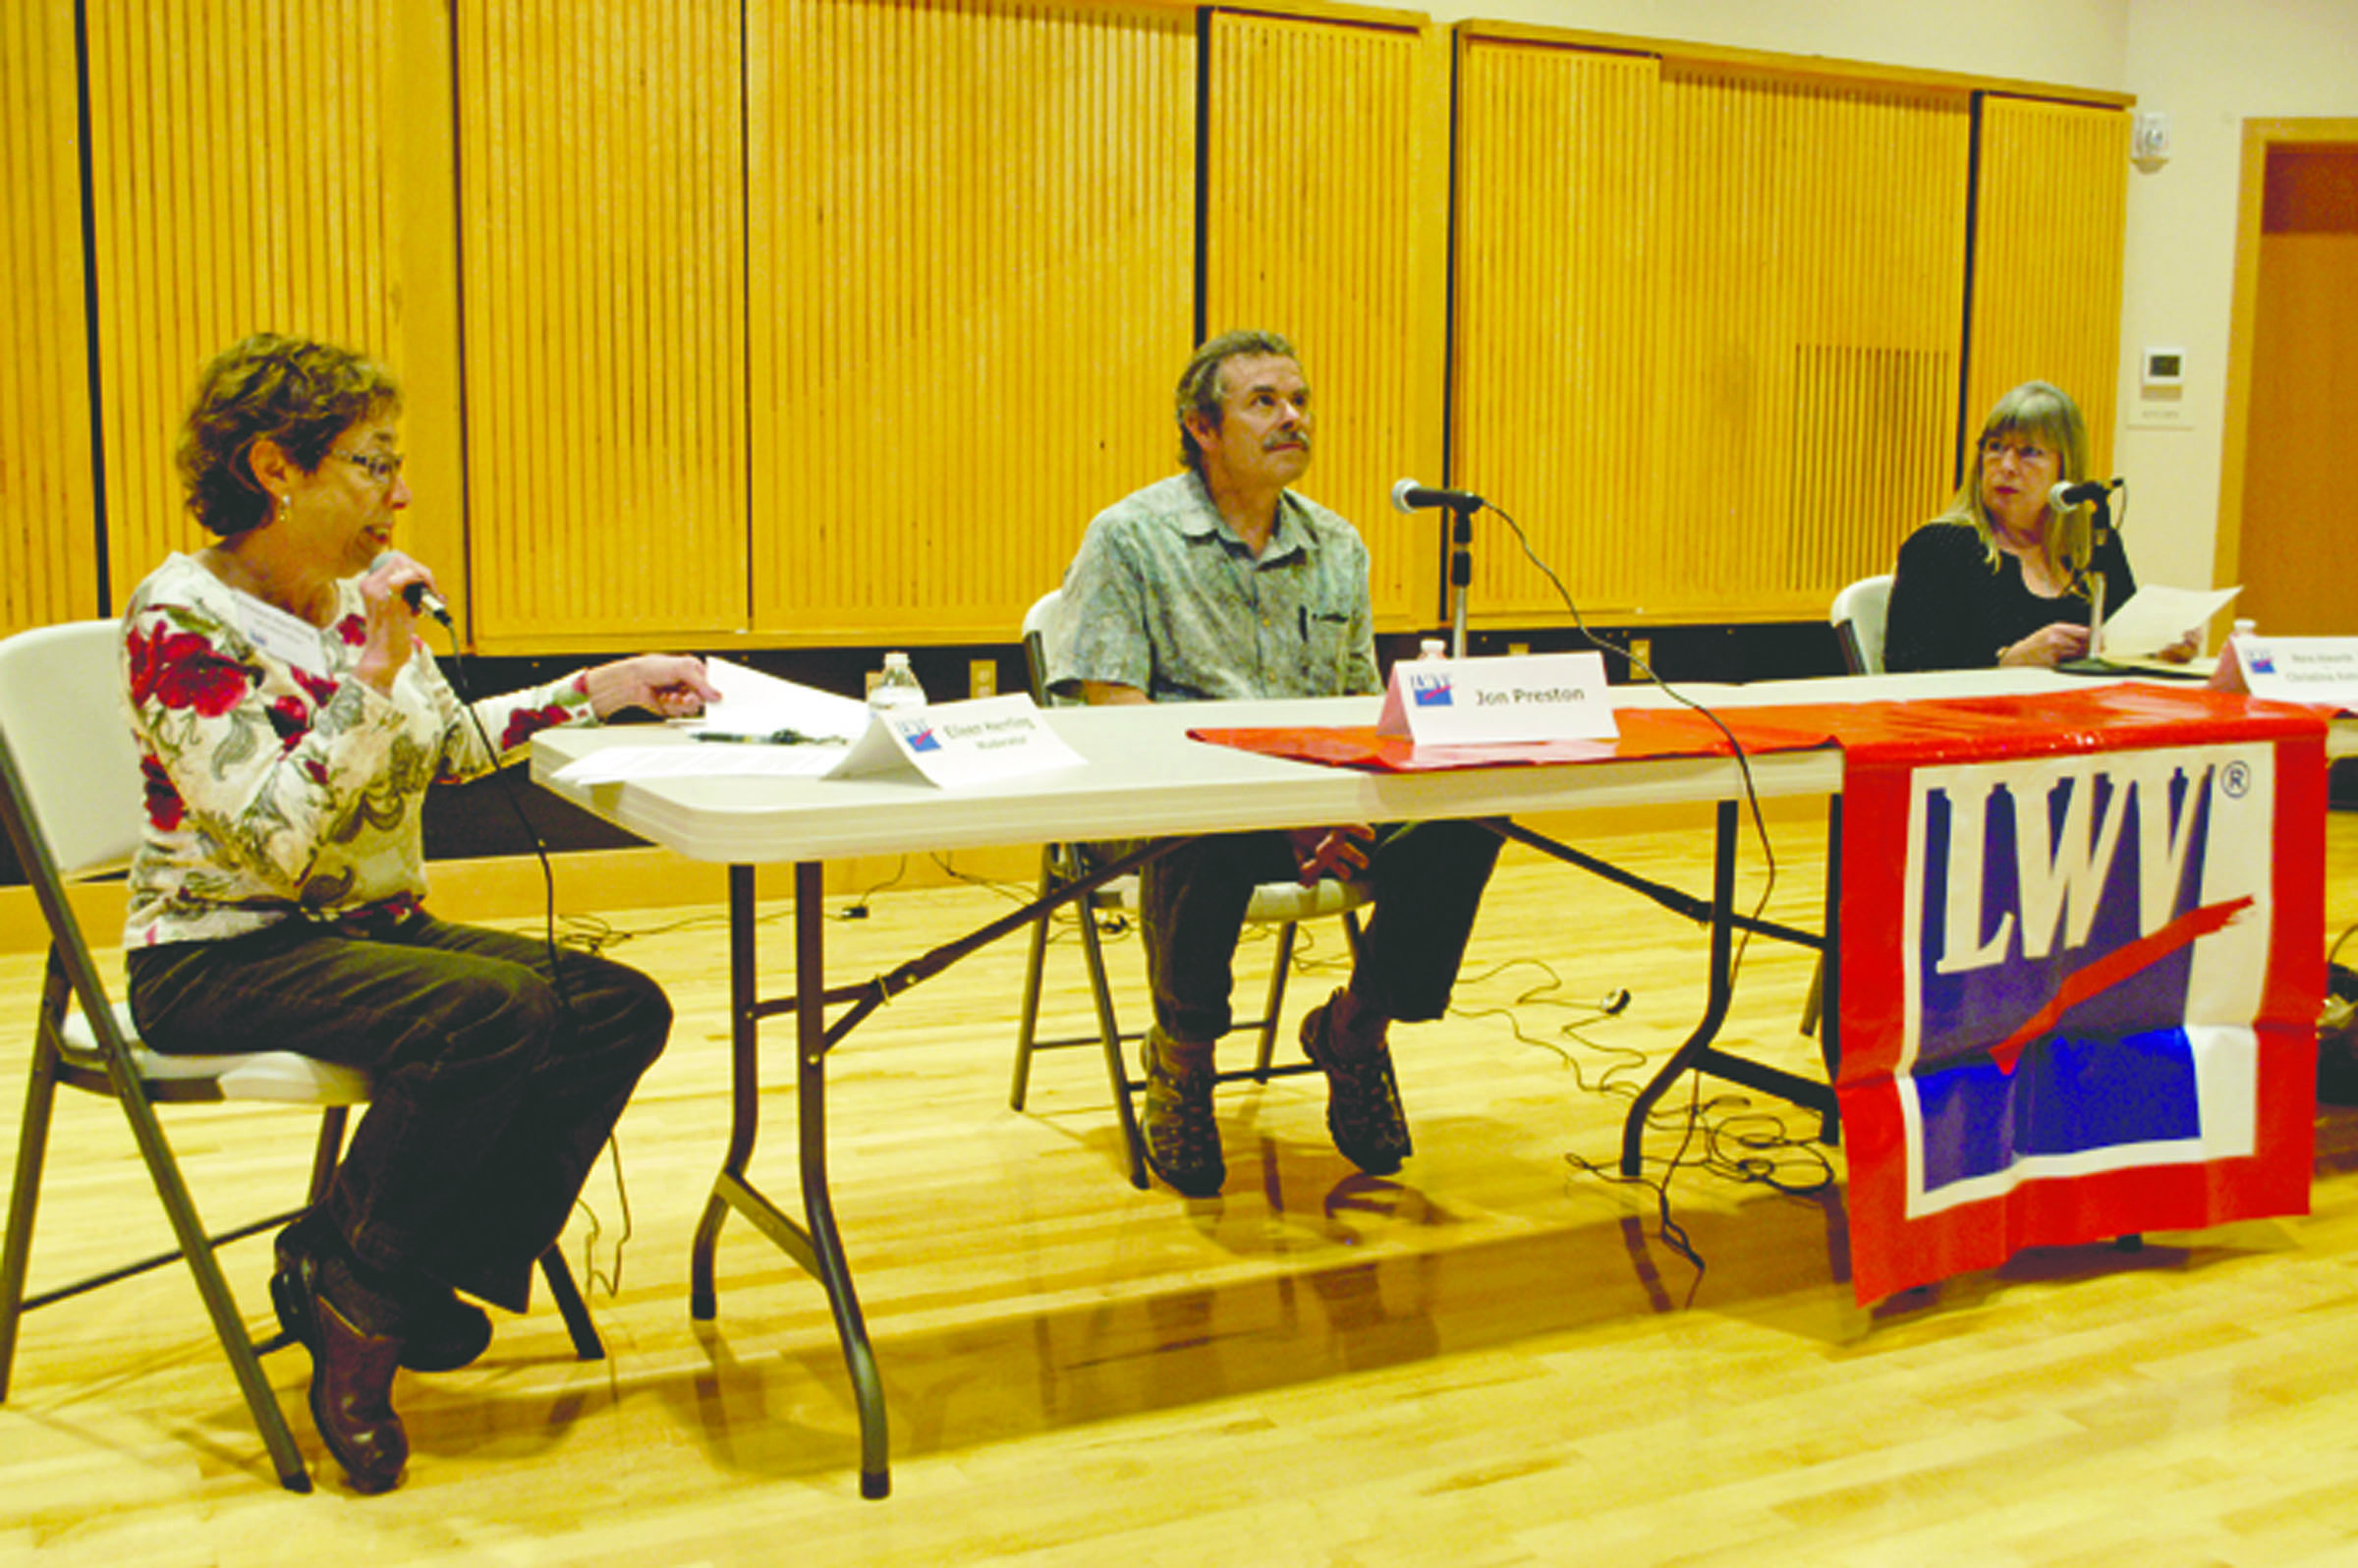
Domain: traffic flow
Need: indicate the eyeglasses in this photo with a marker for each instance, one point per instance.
(383, 466)
(2029, 457)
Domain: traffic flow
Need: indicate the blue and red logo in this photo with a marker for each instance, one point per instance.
(2060, 912)
(1430, 689)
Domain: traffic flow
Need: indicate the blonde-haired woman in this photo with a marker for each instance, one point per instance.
(2004, 576)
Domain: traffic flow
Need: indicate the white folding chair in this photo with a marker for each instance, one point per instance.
(1858, 617)
(1282, 905)
(69, 793)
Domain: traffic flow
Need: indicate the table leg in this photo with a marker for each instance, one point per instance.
(1714, 1011)
(1697, 1054)
(828, 1263)
(815, 1245)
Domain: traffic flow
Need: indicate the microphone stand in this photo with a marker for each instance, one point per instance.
(1461, 571)
(2099, 527)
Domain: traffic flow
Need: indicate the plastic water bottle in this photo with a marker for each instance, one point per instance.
(895, 685)
(1431, 648)
(2245, 628)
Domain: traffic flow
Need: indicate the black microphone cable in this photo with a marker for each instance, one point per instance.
(592, 1276)
(1743, 759)
(1670, 1232)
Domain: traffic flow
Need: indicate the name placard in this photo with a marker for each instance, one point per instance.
(950, 744)
(1525, 697)
(2323, 670)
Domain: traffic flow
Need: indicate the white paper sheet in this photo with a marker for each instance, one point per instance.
(753, 704)
(614, 764)
(2155, 617)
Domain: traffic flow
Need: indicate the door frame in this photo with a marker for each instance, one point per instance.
(2260, 137)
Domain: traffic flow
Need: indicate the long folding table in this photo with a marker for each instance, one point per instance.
(1144, 779)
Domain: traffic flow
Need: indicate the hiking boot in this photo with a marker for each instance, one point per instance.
(1363, 1098)
(1183, 1140)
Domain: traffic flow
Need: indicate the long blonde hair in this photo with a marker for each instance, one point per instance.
(2044, 413)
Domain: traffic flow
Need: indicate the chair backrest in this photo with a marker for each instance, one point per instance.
(71, 804)
(1858, 617)
(1043, 623)
(77, 769)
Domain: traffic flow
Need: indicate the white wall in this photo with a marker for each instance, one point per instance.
(2209, 63)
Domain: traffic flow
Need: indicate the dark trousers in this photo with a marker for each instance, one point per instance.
(1428, 879)
(493, 1093)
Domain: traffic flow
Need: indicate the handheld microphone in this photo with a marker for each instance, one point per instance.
(421, 599)
(2067, 495)
(1410, 496)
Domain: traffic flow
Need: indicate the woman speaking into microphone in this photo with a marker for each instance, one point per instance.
(2005, 575)
(289, 720)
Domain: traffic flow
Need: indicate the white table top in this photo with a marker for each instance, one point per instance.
(1143, 777)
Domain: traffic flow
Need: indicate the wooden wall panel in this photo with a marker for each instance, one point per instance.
(1554, 350)
(2051, 218)
(972, 238)
(1810, 332)
(48, 494)
(1325, 217)
(602, 182)
(253, 168)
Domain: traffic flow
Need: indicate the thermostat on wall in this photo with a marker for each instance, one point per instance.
(2161, 390)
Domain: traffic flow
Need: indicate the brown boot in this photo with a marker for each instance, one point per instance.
(352, 1376)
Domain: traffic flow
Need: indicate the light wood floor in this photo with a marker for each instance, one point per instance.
(1495, 1359)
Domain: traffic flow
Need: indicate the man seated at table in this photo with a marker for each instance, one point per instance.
(1220, 583)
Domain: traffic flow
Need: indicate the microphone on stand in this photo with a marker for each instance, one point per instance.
(1410, 496)
(423, 599)
(2085, 490)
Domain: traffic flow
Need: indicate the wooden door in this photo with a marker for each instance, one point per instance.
(2299, 564)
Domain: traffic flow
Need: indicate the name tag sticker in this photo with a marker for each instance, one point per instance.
(950, 744)
(288, 638)
(1525, 697)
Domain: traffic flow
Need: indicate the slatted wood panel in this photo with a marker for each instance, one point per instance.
(1327, 220)
(1814, 252)
(602, 198)
(48, 516)
(253, 167)
(2051, 215)
(972, 232)
(1556, 270)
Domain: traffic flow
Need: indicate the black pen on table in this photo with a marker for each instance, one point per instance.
(773, 738)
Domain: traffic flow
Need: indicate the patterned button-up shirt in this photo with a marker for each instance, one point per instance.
(1165, 597)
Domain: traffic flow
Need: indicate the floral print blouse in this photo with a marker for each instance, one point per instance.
(278, 783)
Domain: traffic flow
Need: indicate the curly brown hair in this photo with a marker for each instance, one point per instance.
(299, 393)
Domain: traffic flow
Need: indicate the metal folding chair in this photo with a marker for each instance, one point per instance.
(70, 795)
(1282, 905)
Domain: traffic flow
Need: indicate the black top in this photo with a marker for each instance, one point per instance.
(1950, 611)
